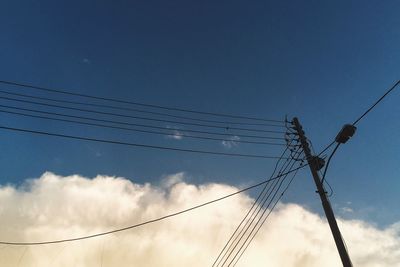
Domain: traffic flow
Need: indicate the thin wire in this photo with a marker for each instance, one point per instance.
(273, 207)
(136, 144)
(142, 125)
(146, 222)
(280, 181)
(264, 195)
(139, 110)
(376, 103)
(330, 187)
(249, 222)
(253, 205)
(366, 112)
(329, 161)
(133, 103)
(251, 219)
(232, 246)
(22, 256)
(178, 134)
(102, 253)
(57, 255)
(244, 218)
(137, 117)
(326, 148)
(354, 123)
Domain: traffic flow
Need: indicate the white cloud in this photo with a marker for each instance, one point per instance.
(231, 142)
(54, 207)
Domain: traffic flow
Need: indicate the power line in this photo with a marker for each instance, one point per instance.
(142, 125)
(365, 113)
(133, 103)
(262, 198)
(377, 102)
(138, 130)
(250, 236)
(329, 160)
(227, 250)
(248, 213)
(138, 117)
(136, 144)
(270, 211)
(139, 110)
(326, 148)
(251, 219)
(146, 222)
(354, 123)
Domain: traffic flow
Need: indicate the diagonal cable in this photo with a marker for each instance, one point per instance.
(266, 217)
(261, 206)
(253, 206)
(253, 216)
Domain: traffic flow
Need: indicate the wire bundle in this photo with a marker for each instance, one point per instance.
(262, 207)
(46, 104)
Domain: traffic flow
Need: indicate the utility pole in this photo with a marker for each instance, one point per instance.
(314, 162)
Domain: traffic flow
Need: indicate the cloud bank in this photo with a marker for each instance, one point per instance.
(55, 207)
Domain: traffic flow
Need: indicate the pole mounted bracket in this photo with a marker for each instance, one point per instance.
(318, 162)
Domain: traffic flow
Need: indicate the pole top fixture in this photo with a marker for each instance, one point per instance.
(345, 133)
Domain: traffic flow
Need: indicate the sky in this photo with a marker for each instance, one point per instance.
(321, 61)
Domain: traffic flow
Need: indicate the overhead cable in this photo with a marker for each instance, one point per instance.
(249, 218)
(269, 213)
(248, 213)
(257, 205)
(132, 102)
(274, 190)
(136, 144)
(376, 103)
(354, 123)
(181, 130)
(140, 110)
(227, 128)
(254, 229)
(175, 134)
(365, 112)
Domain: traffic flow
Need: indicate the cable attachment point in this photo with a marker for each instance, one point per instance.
(318, 162)
(345, 133)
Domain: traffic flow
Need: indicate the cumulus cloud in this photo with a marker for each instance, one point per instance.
(55, 207)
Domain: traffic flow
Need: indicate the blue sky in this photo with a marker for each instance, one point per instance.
(324, 62)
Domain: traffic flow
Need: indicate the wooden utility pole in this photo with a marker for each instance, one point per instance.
(313, 162)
